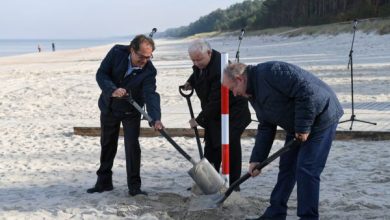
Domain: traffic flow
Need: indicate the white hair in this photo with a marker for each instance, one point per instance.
(199, 45)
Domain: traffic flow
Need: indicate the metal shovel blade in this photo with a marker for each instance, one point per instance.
(206, 177)
(205, 202)
(214, 201)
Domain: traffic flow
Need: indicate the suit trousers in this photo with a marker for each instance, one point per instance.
(110, 126)
(303, 165)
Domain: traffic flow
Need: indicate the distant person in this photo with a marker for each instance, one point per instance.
(206, 80)
(39, 48)
(307, 109)
(125, 69)
(53, 47)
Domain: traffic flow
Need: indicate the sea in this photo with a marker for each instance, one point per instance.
(11, 47)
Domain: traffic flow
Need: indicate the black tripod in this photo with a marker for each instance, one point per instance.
(350, 63)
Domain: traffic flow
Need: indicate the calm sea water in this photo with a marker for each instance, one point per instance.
(15, 47)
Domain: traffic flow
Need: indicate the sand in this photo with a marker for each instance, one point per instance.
(45, 169)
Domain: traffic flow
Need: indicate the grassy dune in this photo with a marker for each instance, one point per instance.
(379, 26)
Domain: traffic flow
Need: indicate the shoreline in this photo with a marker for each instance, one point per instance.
(369, 27)
(29, 46)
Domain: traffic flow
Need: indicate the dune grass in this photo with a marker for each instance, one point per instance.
(379, 26)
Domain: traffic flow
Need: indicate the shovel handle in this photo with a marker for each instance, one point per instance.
(198, 142)
(187, 96)
(162, 131)
(277, 154)
(176, 146)
(181, 89)
(259, 166)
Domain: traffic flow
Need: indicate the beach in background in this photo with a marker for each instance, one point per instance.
(45, 169)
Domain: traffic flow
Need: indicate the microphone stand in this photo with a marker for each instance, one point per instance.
(154, 30)
(350, 63)
(239, 44)
(238, 54)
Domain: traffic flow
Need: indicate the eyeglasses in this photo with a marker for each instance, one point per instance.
(142, 57)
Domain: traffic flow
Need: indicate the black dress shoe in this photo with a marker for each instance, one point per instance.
(100, 188)
(134, 192)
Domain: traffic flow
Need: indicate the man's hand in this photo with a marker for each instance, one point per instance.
(158, 125)
(119, 92)
(193, 123)
(252, 171)
(302, 137)
(187, 86)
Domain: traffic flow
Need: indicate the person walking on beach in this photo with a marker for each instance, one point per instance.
(39, 48)
(206, 80)
(53, 47)
(125, 69)
(307, 109)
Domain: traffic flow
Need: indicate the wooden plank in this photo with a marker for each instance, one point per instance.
(187, 132)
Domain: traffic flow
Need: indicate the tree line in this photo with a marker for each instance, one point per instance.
(261, 14)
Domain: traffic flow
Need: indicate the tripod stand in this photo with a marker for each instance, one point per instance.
(350, 64)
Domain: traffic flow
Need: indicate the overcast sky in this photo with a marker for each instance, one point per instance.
(64, 19)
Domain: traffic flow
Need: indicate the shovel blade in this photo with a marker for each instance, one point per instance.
(206, 177)
(205, 202)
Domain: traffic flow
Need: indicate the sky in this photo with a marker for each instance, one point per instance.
(75, 19)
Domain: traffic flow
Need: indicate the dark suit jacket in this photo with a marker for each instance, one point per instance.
(141, 84)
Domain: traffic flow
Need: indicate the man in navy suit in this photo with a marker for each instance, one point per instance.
(124, 70)
(294, 99)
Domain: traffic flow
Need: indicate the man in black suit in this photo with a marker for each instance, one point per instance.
(206, 80)
(125, 69)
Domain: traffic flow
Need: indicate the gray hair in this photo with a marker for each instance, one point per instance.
(199, 45)
(234, 69)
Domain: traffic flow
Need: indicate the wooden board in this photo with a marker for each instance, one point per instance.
(187, 132)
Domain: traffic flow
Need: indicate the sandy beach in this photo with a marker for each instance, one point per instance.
(45, 169)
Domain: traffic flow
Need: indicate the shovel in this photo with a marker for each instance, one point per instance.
(188, 96)
(203, 173)
(214, 201)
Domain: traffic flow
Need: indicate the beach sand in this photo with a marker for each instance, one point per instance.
(45, 169)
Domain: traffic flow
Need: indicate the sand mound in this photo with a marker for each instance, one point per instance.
(173, 206)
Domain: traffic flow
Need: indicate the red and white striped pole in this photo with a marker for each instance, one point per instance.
(225, 122)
